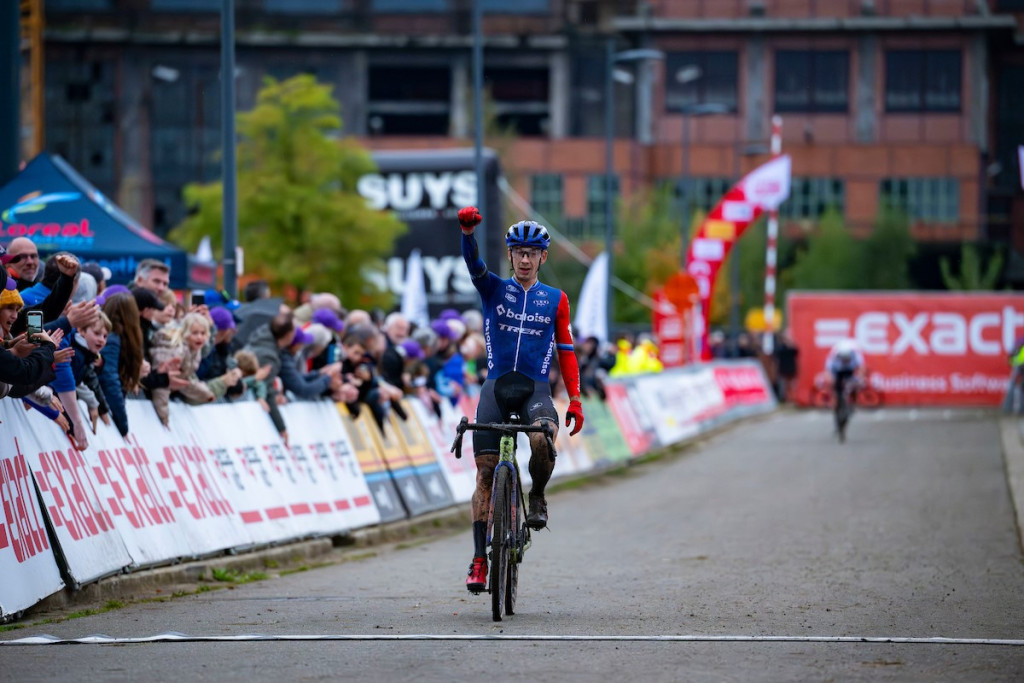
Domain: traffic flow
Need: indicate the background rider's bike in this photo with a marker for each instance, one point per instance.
(823, 394)
(844, 408)
(507, 533)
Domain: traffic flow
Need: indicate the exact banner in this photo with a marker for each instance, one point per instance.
(89, 544)
(28, 569)
(920, 348)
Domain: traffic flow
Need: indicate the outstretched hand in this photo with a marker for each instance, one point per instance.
(469, 218)
(574, 413)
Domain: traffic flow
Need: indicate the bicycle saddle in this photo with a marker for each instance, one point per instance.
(511, 391)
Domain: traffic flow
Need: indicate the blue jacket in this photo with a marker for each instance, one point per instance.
(110, 382)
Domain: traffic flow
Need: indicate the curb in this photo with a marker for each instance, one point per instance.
(1013, 459)
(162, 582)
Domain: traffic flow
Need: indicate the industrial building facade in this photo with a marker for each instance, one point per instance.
(914, 102)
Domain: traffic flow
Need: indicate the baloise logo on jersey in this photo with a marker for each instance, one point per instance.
(521, 318)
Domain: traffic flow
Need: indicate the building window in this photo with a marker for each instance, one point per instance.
(809, 198)
(520, 98)
(407, 100)
(595, 204)
(418, 6)
(79, 5)
(303, 6)
(934, 200)
(184, 6)
(922, 80)
(80, 116)
(546, 196)
(812, 81)
(517, 7)
(711, 78)
(704, 193)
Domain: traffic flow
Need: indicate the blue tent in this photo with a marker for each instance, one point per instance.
(59, 210)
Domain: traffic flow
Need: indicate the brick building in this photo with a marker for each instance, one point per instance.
(920, 102)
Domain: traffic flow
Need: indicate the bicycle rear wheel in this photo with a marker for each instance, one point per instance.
(502, 535)
(842, 416)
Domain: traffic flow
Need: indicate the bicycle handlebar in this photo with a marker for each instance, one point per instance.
(465, 425)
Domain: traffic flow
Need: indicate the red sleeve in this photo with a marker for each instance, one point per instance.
(566, 351)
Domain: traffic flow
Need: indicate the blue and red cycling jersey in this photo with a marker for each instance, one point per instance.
(523, 328)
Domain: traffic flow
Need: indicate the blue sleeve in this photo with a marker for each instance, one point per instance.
(110, 382)
(65, 380)
(293, 381)
(484, 280)
(45, 410)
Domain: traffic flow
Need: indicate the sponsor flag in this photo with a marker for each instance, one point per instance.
(763, 189)
(591, 311)
(414, 293)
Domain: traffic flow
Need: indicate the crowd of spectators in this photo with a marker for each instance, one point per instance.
(104, 344)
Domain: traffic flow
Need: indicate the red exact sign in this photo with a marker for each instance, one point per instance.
(920, 348)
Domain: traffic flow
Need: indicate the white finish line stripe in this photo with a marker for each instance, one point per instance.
(182, 637)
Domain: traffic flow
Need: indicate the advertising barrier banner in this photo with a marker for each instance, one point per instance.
(920, 348)
(460, 473)
(420, 451)
(27, 565)
(378, 478)
(601, 434)
(334, 495)
(84, 530)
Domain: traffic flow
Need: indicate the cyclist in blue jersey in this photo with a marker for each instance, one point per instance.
(525, 323)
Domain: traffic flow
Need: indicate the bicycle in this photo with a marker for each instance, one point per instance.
(845, 401)
(507, 532)
(823, 396)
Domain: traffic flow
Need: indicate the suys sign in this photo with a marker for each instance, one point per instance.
(426, 189)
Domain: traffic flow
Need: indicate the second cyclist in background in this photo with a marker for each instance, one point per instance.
(845, 363)
(525, 323)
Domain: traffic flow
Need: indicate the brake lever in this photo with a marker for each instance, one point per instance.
(551, 443)
(460, 430)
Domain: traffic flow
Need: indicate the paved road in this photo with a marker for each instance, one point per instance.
(772, 529)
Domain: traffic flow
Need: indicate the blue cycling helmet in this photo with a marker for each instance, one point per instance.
(527, 234)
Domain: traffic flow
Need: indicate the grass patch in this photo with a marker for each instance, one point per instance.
(294, 570)
(231, 576)
(10, 627)
(270, 564)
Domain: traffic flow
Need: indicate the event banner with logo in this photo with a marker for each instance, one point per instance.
(920, 348)
(28, 568)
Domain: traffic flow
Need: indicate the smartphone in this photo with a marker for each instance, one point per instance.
(35, 324)
(198, 298)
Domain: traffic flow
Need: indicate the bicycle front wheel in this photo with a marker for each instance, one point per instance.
(519, 543)
(502, 536)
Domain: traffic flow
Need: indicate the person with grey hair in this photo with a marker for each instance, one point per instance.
(152, 274)
(85, 290)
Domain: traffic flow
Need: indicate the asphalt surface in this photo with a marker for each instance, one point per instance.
(771, 529)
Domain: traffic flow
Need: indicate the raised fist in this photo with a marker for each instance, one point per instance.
(469, 218)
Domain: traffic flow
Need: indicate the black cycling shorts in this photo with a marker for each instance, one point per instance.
(539, 407)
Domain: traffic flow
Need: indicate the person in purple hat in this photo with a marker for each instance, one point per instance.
(328, 319)
(446, 365)
(216, 363)
(306, 385)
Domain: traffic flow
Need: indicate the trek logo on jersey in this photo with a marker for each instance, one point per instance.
(505, 327)
(986, 333)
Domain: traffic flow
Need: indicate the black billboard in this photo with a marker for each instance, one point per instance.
(426, 189)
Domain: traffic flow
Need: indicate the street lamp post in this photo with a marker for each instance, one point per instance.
(611, 59)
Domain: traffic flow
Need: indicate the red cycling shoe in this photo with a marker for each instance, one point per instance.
(476, 582)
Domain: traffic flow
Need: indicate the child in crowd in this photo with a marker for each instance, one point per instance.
(186, 340)
(254, 377)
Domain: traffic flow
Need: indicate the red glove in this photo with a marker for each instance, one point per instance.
(469, 218)
(575, 412)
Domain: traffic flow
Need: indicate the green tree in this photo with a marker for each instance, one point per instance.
(887, 252)
(300, 219)
(972, 275)
(832, 259)
(647, 251)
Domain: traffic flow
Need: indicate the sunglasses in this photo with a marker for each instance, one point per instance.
(21, 257)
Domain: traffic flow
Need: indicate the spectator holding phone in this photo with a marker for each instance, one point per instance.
(25, 365)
